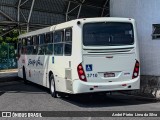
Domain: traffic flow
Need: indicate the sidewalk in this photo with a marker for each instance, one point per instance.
(8, 75)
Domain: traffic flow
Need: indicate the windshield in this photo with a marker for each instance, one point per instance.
(108, 34)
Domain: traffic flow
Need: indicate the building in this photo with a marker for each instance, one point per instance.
(146, 13)
(35, 14)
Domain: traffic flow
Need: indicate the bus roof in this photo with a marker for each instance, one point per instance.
(51, 28)
(36, 32)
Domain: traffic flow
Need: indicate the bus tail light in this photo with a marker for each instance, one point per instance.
(136, 70)
(81, 73)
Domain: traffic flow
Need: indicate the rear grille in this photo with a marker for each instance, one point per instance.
(107, 51)
(110, 51)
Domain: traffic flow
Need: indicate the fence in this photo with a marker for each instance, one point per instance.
(7, 56)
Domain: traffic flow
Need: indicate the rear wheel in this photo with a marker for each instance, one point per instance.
(52, 87)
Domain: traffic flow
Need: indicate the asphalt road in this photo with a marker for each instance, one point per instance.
(16, 96)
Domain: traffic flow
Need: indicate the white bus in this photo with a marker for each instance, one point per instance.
(82, 56)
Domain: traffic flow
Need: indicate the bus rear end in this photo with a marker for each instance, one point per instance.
(110, 57)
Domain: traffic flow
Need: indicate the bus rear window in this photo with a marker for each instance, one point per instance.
(108, 34)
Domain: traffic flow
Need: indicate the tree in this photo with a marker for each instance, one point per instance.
(1, 39)
(11, 37)
(8, 45)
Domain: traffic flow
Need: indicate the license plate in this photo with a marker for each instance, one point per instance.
(109, 74)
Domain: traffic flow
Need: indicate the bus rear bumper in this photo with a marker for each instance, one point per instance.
(88, 87)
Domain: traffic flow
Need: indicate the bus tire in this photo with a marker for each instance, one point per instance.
(52, 87)
(24, 76)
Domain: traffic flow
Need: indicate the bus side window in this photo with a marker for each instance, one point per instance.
(23, 50)
(58, 43)
(58, 49)
(29, 41)
(29, 50)
(24, 44)
(35, 50)
(24, 41)
(68, 42)
(37, 40)
(68, 49)
(49, 38)
(59, 36)
(48, 47)
(68, 35)
(41, 49)
(42, 38)
(34, 40)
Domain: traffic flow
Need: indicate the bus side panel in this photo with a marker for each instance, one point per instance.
(60, 64)
(63, 63)
(76, 50)
(30, 68)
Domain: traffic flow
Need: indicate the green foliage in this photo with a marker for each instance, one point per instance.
(3, 50)
(1, 39)
(11, 37)
(7, 49)
(4, 43)
(8, 39)
(15, 40)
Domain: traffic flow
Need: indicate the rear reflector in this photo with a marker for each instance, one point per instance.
(136, 70)
(124, 84)
(81, 73)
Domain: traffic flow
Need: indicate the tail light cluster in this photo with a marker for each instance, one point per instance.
(81, 73)
(136, 70)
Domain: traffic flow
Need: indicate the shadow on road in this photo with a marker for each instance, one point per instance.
(86, 101)
(89, 101)
(19, 87)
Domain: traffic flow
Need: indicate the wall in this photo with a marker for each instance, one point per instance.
(146, 13)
